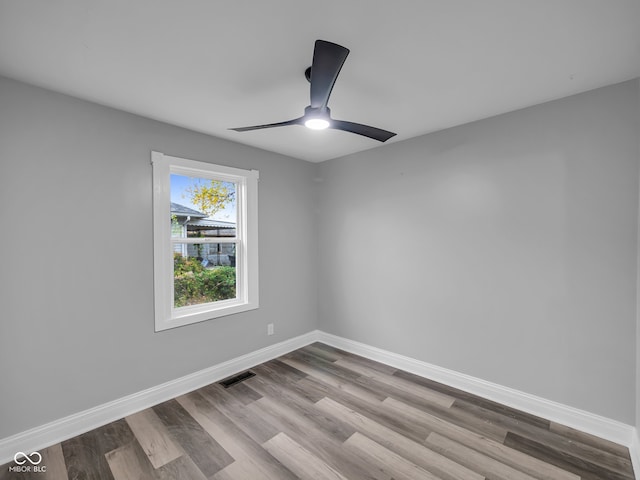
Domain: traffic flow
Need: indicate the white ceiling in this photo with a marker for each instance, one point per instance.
(416, 66)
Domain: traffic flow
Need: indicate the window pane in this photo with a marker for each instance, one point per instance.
(204, 278)
(202, 207)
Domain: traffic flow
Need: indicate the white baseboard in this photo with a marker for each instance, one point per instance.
(76, 424)
(572, 417)
(634, 451)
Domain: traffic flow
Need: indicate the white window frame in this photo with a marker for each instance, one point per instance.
(246, 240)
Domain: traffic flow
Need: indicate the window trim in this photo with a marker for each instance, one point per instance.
(166, 316)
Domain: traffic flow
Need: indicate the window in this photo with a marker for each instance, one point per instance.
(205, 239)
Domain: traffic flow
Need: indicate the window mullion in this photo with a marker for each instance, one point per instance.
(202, 240)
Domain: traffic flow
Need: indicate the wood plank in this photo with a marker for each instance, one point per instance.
(237, 443)
(469, 398)
(373, 409)
(296, 404)
(207, 454)
(388, 462)
(614, 457)
(277, 376)
(585, 468)
(334, 381)
(587, 439)
(327, 355)
(474, 460)
(441, 420)
(374, 381)
(506, 422)
(576, 449)
(381, 367)
(321, 364)
(84, 455)
(245, 468)
(53, 458)
(297, 426)
(153, 437)
(180, 468)
(256, 427)
(392, 385)
(287, 372)
(316, 441)
(413, 451)
(299, 460)
(130, 462)
(491, 447)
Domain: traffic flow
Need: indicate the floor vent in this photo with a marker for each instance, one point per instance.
(231, 381)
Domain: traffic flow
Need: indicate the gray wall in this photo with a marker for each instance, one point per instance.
(505, 249)
(76, 279)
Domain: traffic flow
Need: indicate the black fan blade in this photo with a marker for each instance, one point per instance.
(364, 130)
(295, 121)
(328, 59)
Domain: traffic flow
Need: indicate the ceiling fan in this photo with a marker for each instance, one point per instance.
(328, 59)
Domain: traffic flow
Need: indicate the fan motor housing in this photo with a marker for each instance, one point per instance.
(310, 112)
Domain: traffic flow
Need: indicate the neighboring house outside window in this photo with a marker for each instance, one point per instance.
(180, 216)
(189, 223)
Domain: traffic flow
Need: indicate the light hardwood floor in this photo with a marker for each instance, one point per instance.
(321, 413)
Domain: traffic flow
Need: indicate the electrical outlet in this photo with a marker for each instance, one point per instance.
(270, 329)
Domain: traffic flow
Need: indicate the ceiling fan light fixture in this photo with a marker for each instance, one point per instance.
(317, 118)
(328, 59)
(316, 123)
